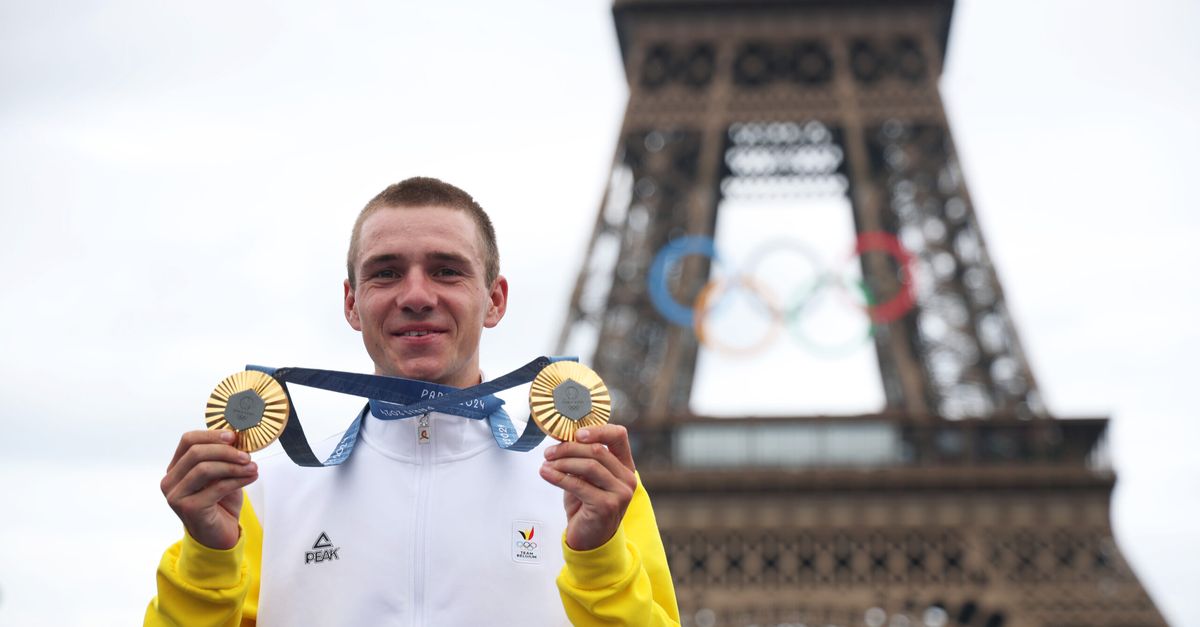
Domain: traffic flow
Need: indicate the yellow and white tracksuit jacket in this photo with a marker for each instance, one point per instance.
(450, 530)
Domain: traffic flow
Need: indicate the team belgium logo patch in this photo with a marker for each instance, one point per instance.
(525, 538)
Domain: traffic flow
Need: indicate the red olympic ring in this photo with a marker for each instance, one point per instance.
(902, 302)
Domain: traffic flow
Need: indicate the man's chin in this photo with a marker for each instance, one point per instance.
(419, 369)
(418, 374)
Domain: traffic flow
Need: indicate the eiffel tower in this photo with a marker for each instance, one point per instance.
(961, 501)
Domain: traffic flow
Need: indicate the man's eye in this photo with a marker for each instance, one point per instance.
(385, 274)
(446, 272)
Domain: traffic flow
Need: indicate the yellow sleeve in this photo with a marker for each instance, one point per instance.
(625, 581)
(199, 586)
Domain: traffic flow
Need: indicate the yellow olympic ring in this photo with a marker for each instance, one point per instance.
(711, 293)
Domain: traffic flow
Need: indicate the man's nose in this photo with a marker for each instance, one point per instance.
(417, 293)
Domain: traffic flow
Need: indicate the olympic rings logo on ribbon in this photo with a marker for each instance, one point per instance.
(779, 313)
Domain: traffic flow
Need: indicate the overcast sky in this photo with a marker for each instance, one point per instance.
(177, 184)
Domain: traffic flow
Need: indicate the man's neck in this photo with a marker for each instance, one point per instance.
(478, 378)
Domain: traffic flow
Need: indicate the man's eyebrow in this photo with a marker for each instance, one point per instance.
(449, 257)
(380, 259)
(440, 256)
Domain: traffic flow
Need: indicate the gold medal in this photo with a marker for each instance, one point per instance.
(565, 397)
(252, 404)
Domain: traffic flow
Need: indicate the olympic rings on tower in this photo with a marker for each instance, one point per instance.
(777, 312)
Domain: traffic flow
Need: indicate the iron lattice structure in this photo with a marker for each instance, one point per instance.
(967, 504)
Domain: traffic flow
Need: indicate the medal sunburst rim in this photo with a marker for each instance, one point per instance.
(542, 409)
(275, 412)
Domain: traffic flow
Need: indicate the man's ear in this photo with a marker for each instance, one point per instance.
(497, 302)
(349, 306)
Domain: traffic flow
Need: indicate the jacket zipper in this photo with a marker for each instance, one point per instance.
(423, 481)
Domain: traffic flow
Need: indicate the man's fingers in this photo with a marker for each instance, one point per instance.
(203, 486)
(199, 453)
(595, 500)
(615, 437)
(211, 495)
(192, 438)
(599, 452)
(596, 473)
(595, 453)
(207, 473)
(574, 485)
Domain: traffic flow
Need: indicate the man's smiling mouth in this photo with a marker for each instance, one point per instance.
(418, 332)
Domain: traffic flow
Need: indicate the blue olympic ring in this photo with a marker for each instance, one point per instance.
(666, 258)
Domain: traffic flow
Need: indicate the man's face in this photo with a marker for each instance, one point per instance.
(421, 302)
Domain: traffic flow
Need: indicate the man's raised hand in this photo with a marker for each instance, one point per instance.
(596, 475)
(203, 484)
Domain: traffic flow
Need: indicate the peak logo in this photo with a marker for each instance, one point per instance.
(524, 547)
(322, 550)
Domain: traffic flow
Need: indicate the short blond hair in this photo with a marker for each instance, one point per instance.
(423, 191)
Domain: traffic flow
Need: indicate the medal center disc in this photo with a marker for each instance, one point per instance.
(244, 410)
(572, 399)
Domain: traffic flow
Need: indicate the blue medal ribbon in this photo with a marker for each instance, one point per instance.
(396, 398)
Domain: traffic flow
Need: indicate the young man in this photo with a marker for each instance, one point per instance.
(428, 522)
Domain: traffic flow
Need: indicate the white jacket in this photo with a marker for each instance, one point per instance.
(407, 534)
